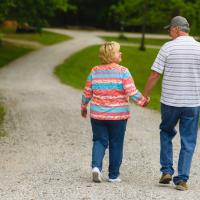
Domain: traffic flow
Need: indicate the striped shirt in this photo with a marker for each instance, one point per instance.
(179, 62)
(108, 88)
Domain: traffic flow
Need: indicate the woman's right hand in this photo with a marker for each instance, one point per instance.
(84, 113)
(147, 101)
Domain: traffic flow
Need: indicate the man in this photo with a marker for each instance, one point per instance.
(179, 62)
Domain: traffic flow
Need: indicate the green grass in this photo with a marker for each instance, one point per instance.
(10, 52)
(75, 70)
(7, 54)
(2, 115)
(45, 37)
(150, 41)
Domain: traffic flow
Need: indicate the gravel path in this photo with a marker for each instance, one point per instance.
(47, 153)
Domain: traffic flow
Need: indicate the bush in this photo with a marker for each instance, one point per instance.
(26, 28)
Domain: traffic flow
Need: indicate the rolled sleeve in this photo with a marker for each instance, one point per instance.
(128, 84)
(131, 90)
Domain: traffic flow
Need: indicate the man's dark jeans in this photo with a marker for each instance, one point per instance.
(188, 118)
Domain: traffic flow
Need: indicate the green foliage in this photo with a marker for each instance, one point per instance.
(158, 13)
(75, 70)
(91, 12)
(35, 12)
(117, 14)
(4, 7)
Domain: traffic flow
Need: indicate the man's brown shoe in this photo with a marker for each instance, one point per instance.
(165, 178)
(182, 185)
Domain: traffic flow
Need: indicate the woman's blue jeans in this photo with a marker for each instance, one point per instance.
(108, 133)
(188, 118)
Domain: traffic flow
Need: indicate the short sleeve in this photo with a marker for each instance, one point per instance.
(160, 61)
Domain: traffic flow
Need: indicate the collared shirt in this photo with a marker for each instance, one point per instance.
(179, 62)
(108, 88)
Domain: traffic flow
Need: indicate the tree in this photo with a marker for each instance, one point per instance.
(145, 9)
(126, 9)
(35, 12)
(4, 7)
(152, 15)
(90, 13)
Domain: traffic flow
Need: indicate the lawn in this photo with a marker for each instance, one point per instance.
(74, 70)
(7, 54)
(2, 115)
(10, 52)
(150, 41)
(45, 37)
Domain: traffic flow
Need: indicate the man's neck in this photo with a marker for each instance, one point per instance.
(181, 33)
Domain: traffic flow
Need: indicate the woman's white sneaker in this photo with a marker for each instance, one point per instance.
(96, 175)
(115, 180)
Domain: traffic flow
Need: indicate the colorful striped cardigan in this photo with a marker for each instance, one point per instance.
(108, 89)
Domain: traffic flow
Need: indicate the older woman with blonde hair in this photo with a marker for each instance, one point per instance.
(108, 89)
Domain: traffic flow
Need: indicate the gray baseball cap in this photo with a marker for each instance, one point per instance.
(179, 21)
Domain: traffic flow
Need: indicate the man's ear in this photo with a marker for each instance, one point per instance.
(178, 29)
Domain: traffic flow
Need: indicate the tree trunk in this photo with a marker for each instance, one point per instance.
(142, 44)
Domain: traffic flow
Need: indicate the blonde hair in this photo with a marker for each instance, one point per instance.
(107, 52)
